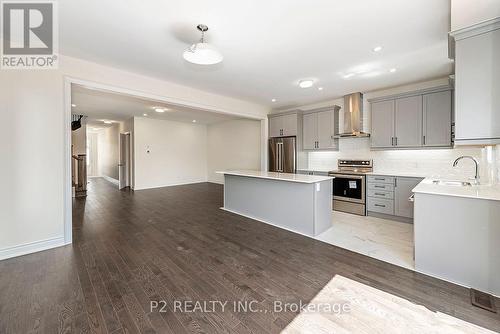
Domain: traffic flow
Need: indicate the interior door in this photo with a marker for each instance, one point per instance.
(289, 155)
(124, 163)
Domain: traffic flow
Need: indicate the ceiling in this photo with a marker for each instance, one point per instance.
(100, 106)
(267, 45)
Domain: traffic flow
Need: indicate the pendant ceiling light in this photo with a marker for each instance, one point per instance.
(202, 53)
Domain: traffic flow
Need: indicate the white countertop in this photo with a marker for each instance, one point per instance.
(277, 176)
(484, 191)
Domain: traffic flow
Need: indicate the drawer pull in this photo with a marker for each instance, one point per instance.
(383, 187)
(380, 194)
(379, 178)
(380, 205)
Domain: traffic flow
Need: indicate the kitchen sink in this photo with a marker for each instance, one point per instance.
(453, 183)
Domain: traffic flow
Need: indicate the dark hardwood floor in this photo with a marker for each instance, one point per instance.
(131, 248)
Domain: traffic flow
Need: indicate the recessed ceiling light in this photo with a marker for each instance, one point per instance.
(273, 100)
(306, 83)
(194, 121)
(95, 129)
(144, 114)
(320, 88)
(108, 122)
(377, 49)
(73, 105)
(392, 70)
(348, 75)
(160, 110)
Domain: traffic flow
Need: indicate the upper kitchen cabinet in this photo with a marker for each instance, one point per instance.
(382, 133)
(477, 84)
(283, 125)
(437, 117)
(412, 120)
(408, 122)
(319, 129)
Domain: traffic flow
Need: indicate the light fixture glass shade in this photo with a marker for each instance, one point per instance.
(202, 54)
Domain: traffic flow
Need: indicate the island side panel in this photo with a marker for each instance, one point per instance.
(285, 204)
(322, 206)
(458, 239)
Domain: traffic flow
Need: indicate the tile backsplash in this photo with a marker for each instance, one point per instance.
(430, 163)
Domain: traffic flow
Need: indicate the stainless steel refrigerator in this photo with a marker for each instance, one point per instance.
(283, 154)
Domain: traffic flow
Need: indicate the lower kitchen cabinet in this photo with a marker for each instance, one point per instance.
(389, 196)
(403, 207)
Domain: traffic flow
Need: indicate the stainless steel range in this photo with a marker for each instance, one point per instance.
(349, 186)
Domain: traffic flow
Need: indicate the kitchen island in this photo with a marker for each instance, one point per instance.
(298, 203)
(457, 234)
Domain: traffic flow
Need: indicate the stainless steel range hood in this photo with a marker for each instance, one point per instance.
(353, 117)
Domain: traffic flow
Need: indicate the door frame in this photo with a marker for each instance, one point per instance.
(128, 159)
(69, 80)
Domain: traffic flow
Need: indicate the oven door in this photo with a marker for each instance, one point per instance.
(350, 188)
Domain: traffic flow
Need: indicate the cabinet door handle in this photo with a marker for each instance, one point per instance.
(392, 141)
(380, 205)
(396, 140)
(424, 140)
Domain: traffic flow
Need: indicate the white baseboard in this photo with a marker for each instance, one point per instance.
(31, 247)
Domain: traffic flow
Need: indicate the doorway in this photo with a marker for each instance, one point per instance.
(124, 170)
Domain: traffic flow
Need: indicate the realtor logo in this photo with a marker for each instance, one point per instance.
(29, 35)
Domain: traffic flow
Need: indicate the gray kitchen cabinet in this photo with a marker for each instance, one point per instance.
(408, 122)
(477, 82)
(318, 131)
(418, 119)
(382, 132)
(389, 196)
(289, 124)
(310, 131)
(437, 119)
(283, 125)
(326, 130)
(402, 192)
(275, 126)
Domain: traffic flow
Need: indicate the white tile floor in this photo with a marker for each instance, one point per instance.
(383, 239)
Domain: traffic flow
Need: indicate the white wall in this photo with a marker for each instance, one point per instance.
(108, 151)
(465, 13)
(234, 144)
(169, 153)
(31, 168)
(32, 144)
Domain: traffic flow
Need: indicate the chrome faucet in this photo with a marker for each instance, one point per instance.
(476, 178)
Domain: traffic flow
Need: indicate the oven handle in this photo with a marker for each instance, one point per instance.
(342, 176)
